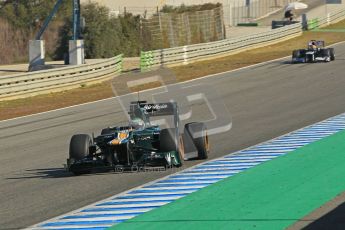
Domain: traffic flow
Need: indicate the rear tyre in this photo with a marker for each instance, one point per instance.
(79, 149)
(327, 54)
(198, 132)
(168, 143)
(331, 50)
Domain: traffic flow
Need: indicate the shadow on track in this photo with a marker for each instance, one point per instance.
(13, 71)
(333, 220)
(42, 173)
(48, 173)
(289, 62)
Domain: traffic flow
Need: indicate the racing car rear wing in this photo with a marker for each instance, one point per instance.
(155, 109)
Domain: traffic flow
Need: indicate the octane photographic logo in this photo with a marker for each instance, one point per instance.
(197, 101)
(140, 169)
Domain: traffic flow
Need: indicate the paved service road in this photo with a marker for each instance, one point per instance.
(265, 101)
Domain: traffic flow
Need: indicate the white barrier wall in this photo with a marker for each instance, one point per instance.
(33, 83)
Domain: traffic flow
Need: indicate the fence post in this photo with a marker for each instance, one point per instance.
(146, 60)
(248, 4)
(230, 15)
(121, 62)
(185, 55)
(142, 61)
(328, 18)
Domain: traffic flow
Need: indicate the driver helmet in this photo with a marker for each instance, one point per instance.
(312, 45)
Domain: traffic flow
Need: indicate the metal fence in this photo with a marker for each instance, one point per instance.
(21, 85)
(160, 30)
(166, 30)
(235, 11)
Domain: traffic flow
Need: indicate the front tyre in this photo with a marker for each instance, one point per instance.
(79, 149)
(79, 146)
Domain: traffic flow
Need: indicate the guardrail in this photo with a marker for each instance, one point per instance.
(58, 79)
(331, 18)
(186, 54)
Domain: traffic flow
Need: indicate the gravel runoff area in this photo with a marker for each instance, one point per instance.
(42, 103)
